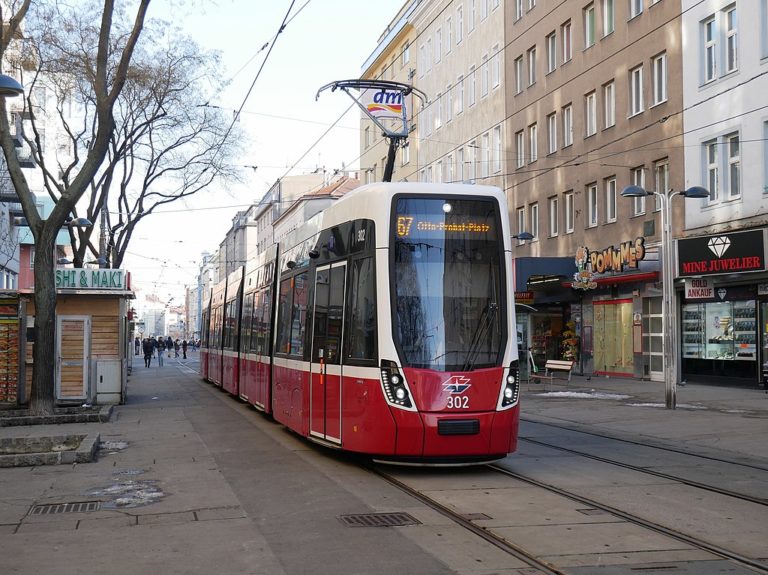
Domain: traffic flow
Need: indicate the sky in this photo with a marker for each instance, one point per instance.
(324, 40)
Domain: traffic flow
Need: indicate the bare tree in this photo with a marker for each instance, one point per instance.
(107, 64)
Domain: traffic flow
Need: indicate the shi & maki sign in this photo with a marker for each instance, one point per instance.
(96, 279)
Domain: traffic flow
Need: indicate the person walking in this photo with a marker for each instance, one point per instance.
(137, 345)
(169, 346)
(147, 345)
(184, 348)
(160, 351)
(176, 346)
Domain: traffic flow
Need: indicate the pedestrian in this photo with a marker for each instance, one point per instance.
(176, 346)
(137, 345)
(160, 351)
(169, 345)
(147, 345)
(184, 348)
(154, 345)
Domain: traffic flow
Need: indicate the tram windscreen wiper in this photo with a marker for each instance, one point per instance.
(486, 321)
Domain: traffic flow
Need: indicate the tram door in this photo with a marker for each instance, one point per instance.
(327, 338)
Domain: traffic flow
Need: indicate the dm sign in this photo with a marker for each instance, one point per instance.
(722, 254)
(94, 279)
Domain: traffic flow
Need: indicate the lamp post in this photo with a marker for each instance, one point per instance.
(669, 309)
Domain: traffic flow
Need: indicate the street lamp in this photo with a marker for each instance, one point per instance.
(669, 309)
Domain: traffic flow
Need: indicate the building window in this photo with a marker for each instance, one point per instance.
(532, 66)
(519, 149)
(448, 35)
(438, 44)
(567, 41)
(429, 55)
(448, 108)
(405, 154)
(459, 95)
(609, 105)
(661, 176)
(449, 169)
(459, 24)
(471, 16)
(590, 114)
(608, 17)
(592, 205)
(553, 217)
(636, 91)
(531, 4)
(734, 166)
(589, 25)
(484, 76)
(485, 155)
(405, 55)
(635, 8)
(567, 126)
(518, 9)
(497, 149)
(439, 172)
(367, 138)
(496, 67)
(637, 176)
(610, 199)
(533, 142)
(472, 88)
(534, 209)
(472, 160)
(460, 164)
(731, 41)
(713, 181)
(551, 52)
(520, 223)
(552, 133)
(570, 212)
(660, 78)
(483, 9)
(439, 111)
(710, 49)
(518, 75)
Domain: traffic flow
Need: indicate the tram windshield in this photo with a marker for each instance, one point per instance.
(447, 283)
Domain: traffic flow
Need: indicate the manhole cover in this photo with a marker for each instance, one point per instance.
(54, 508)
(378, 520)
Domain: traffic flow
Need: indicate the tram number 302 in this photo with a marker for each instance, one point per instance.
(458, 402)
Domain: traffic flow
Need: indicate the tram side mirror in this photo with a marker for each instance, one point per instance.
(314, 254)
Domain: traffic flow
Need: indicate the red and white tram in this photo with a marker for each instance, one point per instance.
(385, 325)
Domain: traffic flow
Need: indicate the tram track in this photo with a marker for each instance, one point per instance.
(520, 553)
(641, 444)
(645, 470)
(757, 566)
(484, 533)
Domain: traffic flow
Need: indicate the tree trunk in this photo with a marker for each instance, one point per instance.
(43, 398)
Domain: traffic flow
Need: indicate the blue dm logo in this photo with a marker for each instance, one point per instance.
(456, 384)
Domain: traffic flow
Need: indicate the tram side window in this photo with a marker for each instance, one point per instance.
(256, 343)
(246, 325)
(266, 319)
(284, 316)
(361, 313)
(216, 328)
(230, 325)
(204, 331)
(299, 315)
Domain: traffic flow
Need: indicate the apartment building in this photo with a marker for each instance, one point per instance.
(393, 60)
(590, 110)
(726, 128)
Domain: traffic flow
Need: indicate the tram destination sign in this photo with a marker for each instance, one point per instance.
(406, 225)
(722, 254)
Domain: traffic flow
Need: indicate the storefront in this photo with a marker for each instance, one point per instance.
(724, 311)
(621, 331)
(92, 336)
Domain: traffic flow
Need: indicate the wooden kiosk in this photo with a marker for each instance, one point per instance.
(92, 336)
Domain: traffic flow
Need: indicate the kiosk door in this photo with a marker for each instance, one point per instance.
(72, 351)
(327, 339)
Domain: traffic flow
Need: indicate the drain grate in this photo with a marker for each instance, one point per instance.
(378, 520)
(55, 508)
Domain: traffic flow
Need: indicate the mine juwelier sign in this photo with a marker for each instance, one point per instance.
(722, 254)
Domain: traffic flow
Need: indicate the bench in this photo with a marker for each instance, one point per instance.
(553, 369)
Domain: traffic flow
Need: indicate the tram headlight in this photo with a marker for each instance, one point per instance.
(510, 394)
(395, 388)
